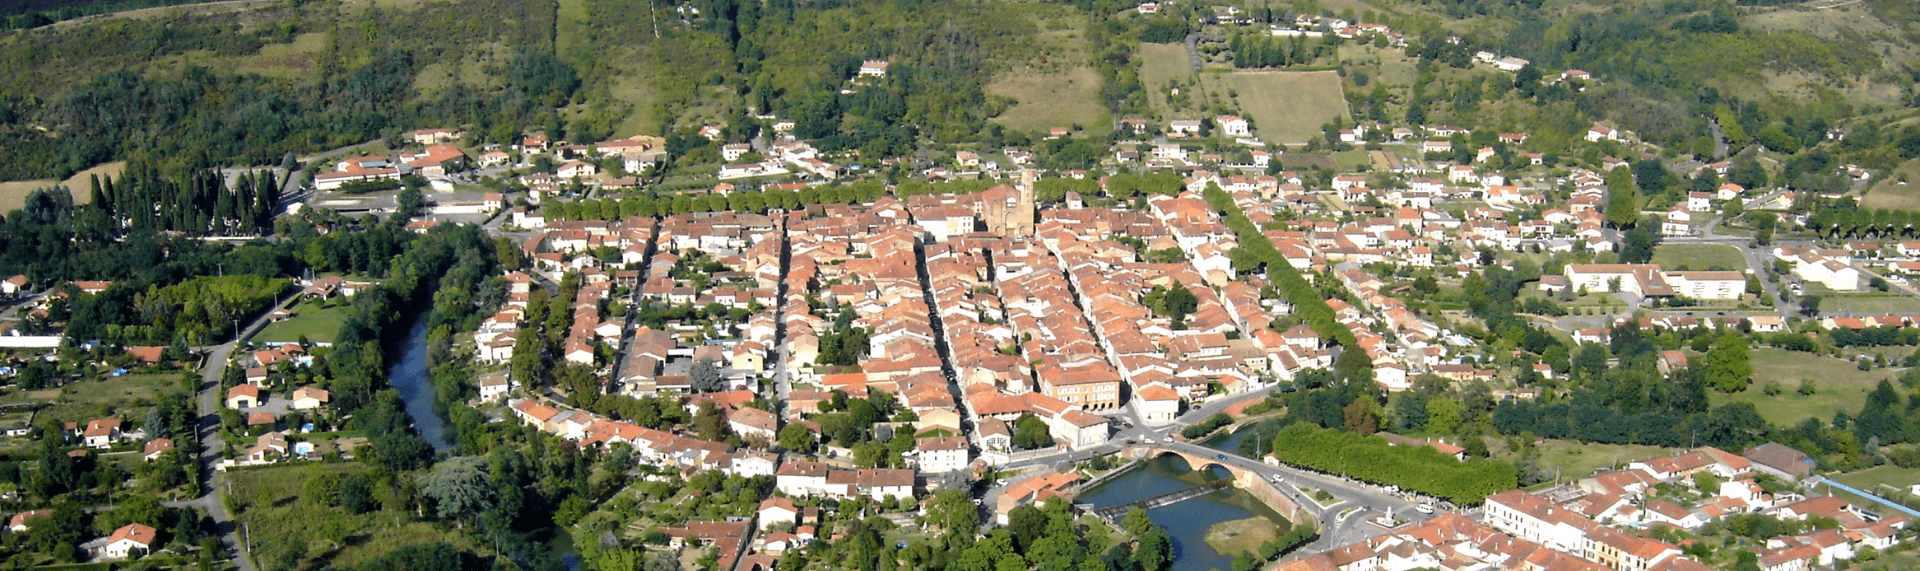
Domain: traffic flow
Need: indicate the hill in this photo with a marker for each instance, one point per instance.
(249, 82)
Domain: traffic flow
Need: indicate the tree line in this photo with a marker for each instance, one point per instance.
(1418, 468)
(1255, 250)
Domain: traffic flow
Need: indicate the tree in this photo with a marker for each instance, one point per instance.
(705, 376)
(1650, 175)
(1639, 245)
(1810, 305)
(355, 496)
(1030, 433)
(795, 437)
(1155, 550)
(1623, 202)
(710, 423)
(460, 488)
(1729, 367)
(952, 510)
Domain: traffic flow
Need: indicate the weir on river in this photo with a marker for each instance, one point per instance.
(1160, 500)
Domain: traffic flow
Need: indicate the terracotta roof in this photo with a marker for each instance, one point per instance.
(137, 533)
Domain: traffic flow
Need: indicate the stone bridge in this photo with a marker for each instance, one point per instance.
(1251, 481)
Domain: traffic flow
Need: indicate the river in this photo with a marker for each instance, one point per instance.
(1186, 522)
(409, 376)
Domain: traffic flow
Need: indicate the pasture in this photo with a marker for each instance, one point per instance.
(1290, 106)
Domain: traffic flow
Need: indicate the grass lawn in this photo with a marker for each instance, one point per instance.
(1046, 100)
(271, 500)
(1574, 460)
(1841, 386)
(1350, 160)
(127, 396)
(1241, 535)
(1889, 192)
(1870, 479)
(1160, 63)
(1290, 106)
(1699, 257)
(1872, 303)
(312, 318)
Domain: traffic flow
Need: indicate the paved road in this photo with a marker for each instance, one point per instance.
(210, 443)
(1335, 530)
(1759, 259)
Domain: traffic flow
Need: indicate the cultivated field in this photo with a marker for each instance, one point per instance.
(14, 193)
(1699, 257)
(1840, 385)
(1043, 101)
(1290, 106)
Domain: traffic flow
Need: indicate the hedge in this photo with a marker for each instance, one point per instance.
(1370, 459)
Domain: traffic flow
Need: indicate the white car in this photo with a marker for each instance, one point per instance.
(1424, 508)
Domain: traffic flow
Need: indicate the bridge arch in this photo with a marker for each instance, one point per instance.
(1195, 463)
(1247, 480)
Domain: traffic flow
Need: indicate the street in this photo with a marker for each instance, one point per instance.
(211, 494)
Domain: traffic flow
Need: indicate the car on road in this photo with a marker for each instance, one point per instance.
(1424, 508)
(1220, 457)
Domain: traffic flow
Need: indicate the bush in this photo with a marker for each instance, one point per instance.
(1206, 427)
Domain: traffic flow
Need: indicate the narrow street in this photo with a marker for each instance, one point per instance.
(211, 492)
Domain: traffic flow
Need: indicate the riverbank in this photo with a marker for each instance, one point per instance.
(1187, 523)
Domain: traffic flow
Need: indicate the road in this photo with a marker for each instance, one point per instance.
(211, 494)
(1335, 531)
(1759, 259)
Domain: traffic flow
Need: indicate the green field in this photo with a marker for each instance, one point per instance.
(1159, 64)
(312, 318)
(1046, 100)
(1889, 192)
(1574, 460)
(1880, 303)
(1841, 386)
(1290, 106)
(1699, 257)
(127, 397)
(1871, 478)
(272, 502)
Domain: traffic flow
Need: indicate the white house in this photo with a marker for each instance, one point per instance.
(776, 510)
(130, 540)
(944, 454)
(1599, 132)
(1234, 126)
